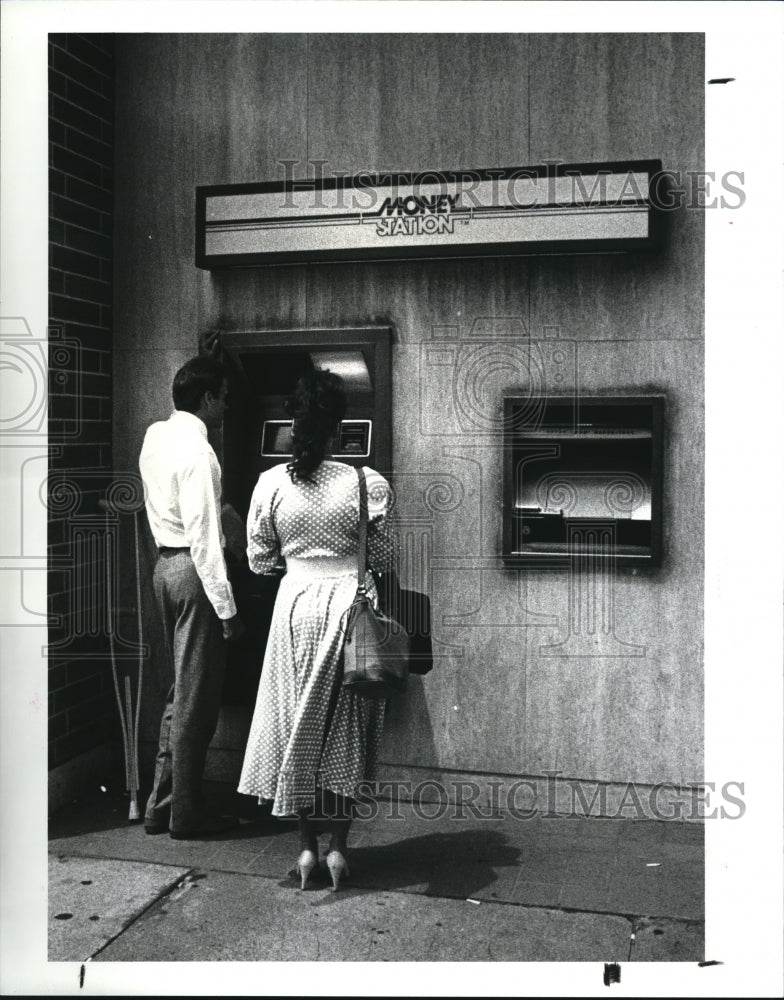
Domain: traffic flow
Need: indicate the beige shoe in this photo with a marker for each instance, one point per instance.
(338, 868)
(306, 862)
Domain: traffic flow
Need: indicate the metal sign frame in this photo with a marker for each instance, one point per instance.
(545, 209)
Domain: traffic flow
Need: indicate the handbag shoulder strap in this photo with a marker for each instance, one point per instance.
(363, 523)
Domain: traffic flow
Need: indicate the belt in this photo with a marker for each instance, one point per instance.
(166, 550)
(325, 566)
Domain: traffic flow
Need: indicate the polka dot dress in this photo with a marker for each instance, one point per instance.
(290, 752)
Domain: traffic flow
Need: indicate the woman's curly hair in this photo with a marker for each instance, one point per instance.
(316, 408)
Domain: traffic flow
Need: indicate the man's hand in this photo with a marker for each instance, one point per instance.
(209, 344)
(234, 531)
(233, 628)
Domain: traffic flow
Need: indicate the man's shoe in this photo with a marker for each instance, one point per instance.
(206, 828)
(153, 828)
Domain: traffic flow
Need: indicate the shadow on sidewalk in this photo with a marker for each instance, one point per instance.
(99, 811)
(453, 865)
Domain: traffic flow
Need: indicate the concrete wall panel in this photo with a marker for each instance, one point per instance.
(415, 102)
(222, 109)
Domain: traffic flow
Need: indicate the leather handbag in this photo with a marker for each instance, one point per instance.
(377, 648)
(412, 609)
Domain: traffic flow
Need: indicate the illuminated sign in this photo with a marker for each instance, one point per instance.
(553, 208)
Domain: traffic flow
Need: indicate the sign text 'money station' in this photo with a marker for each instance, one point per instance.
(559, 208)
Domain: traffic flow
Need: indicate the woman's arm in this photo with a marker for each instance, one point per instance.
(263, 542)
(382, 541)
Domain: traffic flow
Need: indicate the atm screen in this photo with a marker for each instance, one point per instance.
(276, 438)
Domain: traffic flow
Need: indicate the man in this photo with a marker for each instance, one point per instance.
(182, 481)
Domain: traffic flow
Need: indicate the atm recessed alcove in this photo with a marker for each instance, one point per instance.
(266, 365)
(264, 368)
(583, 480)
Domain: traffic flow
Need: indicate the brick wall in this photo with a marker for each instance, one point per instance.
(82, 712)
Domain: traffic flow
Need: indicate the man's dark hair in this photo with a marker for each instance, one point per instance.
(194, 379)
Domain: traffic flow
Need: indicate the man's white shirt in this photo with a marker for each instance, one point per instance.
(182, 482)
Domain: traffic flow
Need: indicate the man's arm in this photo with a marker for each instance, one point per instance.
(201, 522)
(210, 345)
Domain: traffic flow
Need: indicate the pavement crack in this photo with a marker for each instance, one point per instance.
(166, 892)
(632, 938)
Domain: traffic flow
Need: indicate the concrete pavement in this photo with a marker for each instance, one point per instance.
(545, 889)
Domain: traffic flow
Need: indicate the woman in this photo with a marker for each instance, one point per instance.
(312, 743)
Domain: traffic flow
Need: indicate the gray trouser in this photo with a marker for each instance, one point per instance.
(196, 666)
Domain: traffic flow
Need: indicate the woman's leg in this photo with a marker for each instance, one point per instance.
(339, 824)
(338, 835)
(308, 838)
(338, 811)
(308, 846)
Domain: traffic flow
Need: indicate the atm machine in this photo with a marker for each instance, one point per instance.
(265, 367)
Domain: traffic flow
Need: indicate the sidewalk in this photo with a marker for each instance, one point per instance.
(549, 888)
